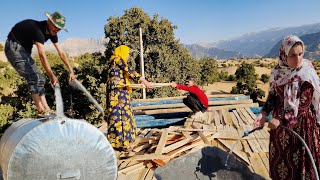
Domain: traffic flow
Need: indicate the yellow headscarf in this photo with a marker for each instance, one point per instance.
(122, 52)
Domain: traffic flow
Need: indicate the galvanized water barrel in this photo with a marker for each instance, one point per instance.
(59, 148)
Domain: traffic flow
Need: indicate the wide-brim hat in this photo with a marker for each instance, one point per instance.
(57, 19)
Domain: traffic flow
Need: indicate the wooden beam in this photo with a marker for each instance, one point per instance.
(258, 166)
(163, 111)
(162, 143)
(203, 137)
(179, 105)
(181, 97)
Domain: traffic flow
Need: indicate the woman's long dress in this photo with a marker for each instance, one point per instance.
(121, 124)
(288, 157)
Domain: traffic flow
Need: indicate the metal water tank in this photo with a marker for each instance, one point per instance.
(59, 148)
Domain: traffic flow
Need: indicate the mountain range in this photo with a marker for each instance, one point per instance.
(258, 44)
(250, 45)
(312, 46)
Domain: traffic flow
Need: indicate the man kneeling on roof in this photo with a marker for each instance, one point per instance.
(197, 100)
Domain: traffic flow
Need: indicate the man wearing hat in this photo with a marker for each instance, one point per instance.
(18, 49)
(197, 100)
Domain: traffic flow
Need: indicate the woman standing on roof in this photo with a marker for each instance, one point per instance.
(120, 119)
(294, 97)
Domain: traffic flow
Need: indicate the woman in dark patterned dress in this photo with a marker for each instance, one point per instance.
(294, 102)
(121, 123)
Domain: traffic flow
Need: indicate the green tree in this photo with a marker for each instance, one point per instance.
(232, 77)
(165, 58)
(3, 64)
(246, 82)
(265, 78)
(6, 116)
(246, 73)
(223, 75)
(1, 47)
(209, 71)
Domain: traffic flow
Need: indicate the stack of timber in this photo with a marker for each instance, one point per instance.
(156, 147)
(163, 112)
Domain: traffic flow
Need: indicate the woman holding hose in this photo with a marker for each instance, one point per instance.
(294, 97)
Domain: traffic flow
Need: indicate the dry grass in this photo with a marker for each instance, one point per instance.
(226, 86)
(3, 56)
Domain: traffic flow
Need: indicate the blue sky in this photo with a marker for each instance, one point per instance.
(197, 20)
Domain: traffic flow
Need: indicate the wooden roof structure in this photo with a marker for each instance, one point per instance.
(221, 127)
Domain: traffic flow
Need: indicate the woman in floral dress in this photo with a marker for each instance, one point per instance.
(294, 102)
(121, 123)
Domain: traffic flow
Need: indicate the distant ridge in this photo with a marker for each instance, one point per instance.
(199, 51)
(261, 43)
(312, 44)
(78, 46)
(250, 45)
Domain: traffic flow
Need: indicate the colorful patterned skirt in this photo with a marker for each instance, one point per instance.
(121, 124)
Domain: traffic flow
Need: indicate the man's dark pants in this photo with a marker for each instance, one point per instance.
(194, 104)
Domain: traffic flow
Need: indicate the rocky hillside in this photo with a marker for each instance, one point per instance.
(77, 46)
(261, 43)
(312, 43)
(251, 45)
(199, 52)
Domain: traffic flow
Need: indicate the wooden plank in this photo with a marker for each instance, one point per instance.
(142, 174)
(210, 118)
(241, 115)
(131, 168)
(246, 147)
(265, 160)
(258, 166)
(163, 111)
(123, 165)
(187, 135)
(147, 157)
(239, 153)
(216, 118)
(181, 97)
(177, 145)
(247, 117)
(226, 134)
(264, 143)
(250, 113)
(241, 124)
(162, 143)
(186, 147)
(226, 116)
(180, 105)
(141, 147)
(136, 172)
(255, 146)
(203, 137)
(234, 120)
(150, 174)
(265, 133)
(233, 106)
